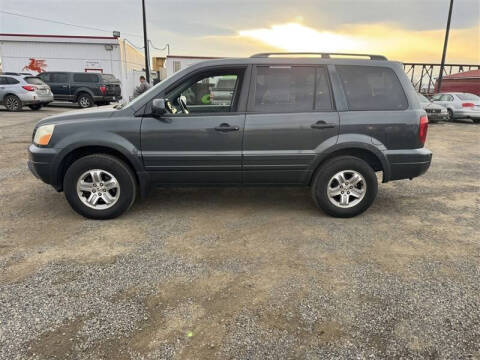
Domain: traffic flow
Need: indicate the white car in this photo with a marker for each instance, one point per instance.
(460, 105)
(19, 90)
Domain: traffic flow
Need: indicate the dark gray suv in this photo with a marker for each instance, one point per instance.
(322, 120)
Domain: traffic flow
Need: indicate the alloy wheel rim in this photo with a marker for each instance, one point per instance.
(12, 103)
(98, 189)
(84, 102)
(346, 188)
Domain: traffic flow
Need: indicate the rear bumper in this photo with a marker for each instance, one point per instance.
(107, 98)
(407, 164)
(466, 114)
(31, 98)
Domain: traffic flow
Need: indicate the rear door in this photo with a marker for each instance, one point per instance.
(3, 86)
(290, 114)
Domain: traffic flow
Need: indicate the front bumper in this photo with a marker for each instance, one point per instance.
(407, 164)
(40, 162)
(437, 117)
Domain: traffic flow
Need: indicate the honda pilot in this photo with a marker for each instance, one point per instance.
(326, 121)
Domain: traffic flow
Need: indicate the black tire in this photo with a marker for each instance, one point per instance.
(476, 121)
(12, 103)
(450, 115)
(35, 107)
(331, 168)
(111, 164)
(84, 100)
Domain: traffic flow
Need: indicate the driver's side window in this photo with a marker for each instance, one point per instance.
(207, 93)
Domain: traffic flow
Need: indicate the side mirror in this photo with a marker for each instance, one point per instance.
(158, 107)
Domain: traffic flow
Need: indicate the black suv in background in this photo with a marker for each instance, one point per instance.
(86, 89)
(324, 122)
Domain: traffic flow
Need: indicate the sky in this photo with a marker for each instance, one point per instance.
(404, 30)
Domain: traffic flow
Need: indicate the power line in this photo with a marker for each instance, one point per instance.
(61, 22)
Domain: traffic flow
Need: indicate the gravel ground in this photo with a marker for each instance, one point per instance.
(243, 273)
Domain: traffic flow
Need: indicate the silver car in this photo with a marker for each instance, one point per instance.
(17, 91)
(460, 105)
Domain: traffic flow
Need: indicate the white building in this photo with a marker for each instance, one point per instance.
(38, 53)
(174, 63)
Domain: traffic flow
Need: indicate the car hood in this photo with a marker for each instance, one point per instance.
(87, 114)
(432, 106)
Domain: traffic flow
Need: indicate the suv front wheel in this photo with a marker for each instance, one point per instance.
(344, 186)
(100, 186)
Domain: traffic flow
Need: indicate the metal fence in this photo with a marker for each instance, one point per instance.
(423, 76)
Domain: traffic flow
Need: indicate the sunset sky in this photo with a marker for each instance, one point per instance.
(407, 30)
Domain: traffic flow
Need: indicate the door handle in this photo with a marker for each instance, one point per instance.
(224, 127)
(321, 124)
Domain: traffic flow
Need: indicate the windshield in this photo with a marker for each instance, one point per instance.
(422, 98)
(467, 96)
(140, 97)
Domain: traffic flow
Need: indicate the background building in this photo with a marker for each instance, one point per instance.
(174, 63)
(39, 53)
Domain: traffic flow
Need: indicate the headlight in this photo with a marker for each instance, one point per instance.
(43, 134)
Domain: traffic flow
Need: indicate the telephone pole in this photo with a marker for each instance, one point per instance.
(145, 41)
(445, 43)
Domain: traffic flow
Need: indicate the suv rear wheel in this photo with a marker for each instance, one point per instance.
(85, 101)
(13, 103)
(100, 186)
(344, 186)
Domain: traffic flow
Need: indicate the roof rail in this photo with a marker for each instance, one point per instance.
(322, 54)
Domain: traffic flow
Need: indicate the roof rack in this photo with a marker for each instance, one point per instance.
(322, 54)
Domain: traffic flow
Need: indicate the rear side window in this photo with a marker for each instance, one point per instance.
(86, 78)
(468, 96)
(34, 81)
(372, 88)
(291, 89)
(58, 78)
(108, 77)
(12, 81)
(3, 80)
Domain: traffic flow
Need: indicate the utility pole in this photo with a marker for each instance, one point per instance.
(145, 41)
(445, 43)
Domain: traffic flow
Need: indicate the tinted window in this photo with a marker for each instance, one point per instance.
(12, 81)
(3, 80)
(34, 81)
(284, 89)
(108, 77)
(467, 96)
(372, 88)
(58, 78)
(87, 78)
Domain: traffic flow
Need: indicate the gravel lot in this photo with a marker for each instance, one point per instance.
(243, 273)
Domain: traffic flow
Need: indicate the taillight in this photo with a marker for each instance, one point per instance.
(468, 105)
(103, 89)
(422, 131)
(29, 87)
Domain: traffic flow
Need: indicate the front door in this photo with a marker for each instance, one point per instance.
(60, 85)
(291, 116)
(199, 140)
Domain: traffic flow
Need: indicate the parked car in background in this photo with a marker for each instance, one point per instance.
(17, 91)
(86, 89)
(435, 112)
(460, 105)
(316, 121)
(222, 91)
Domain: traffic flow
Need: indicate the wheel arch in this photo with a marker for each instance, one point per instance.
(82, 151)
(82, 90)
(370, 154)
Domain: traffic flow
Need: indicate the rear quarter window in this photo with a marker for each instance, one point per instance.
(372, 88)
(12, 81)
(85, 78)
